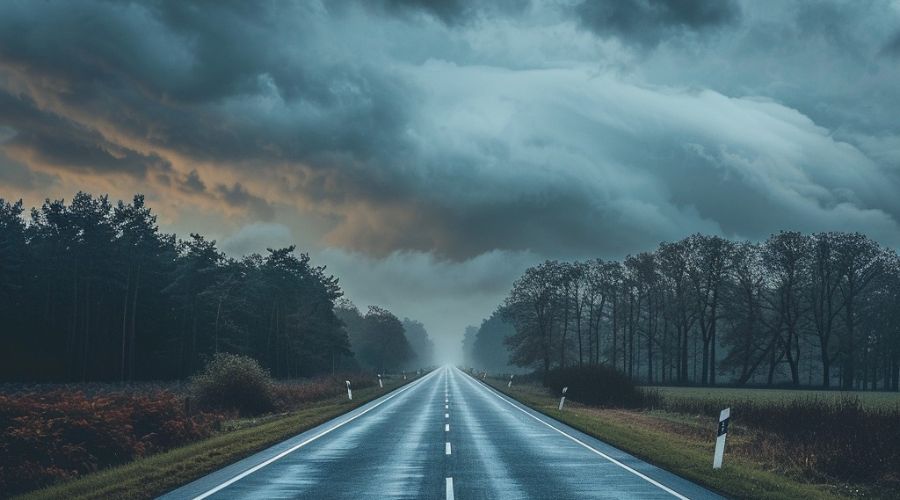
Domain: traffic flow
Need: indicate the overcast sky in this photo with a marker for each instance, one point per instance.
(428, 152)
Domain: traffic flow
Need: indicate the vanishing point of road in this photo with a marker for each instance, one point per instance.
(443, 436)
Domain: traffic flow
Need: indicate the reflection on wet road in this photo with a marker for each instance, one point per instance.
(443, 436)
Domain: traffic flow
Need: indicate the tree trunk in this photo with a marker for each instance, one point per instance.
(132, 326)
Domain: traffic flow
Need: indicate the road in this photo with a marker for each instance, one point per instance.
(443, 436)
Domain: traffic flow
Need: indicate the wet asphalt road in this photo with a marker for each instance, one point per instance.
(443, 436)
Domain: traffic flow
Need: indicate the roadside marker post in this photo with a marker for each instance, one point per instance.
(349, 392)
(380, 383)
(724, 417)
(562, 400)
(510, 381)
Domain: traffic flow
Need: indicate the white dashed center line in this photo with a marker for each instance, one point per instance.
(447, 449)
(449, 488)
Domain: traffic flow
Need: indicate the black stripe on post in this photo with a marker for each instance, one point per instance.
(723, 427)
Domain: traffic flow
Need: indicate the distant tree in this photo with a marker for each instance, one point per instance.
(468, 343)
(384, 345)
(489, 350)
(421, 344)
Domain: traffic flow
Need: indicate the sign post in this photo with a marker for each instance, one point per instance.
(510, 381)
(724, 416)
(562, 400)
(380, 383)
(349, 392)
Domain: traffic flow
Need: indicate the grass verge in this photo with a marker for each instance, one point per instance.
(683, 445)
(157, 474)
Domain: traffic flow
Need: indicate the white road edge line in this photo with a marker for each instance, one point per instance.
(283, 454)
(447, 449)
(589, 447)
(449, 488)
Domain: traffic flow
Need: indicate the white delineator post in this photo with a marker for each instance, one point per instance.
(724, 416)
(380, 383)
(562, 400)
(349, 392)
(510, 381)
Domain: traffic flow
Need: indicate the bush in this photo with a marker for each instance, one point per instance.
(291, 394)
(599, 385)
(234, 382)
(47, 436)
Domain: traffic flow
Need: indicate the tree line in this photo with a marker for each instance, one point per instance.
(800, 309)
(92, 290)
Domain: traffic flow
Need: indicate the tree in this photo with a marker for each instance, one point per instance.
(384, 346)
(421, 344)
(708, 264)
(859, 261)
(489, 350)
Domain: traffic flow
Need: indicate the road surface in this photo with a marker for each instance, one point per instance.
(443, 436)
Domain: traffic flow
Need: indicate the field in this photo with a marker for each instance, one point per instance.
(888, 400)
(782, 444)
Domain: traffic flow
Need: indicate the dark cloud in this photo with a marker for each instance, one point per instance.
(17, 175)
(193, 184)
(648, 22)
(498, 127)
(892, 47)
(237, 195)
(451, 12)
(50, 139)
(185, 77)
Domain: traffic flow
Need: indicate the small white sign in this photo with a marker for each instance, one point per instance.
(721, 432)
(562, 400)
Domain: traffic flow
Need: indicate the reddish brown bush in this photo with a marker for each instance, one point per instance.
(58, 434)
(292, 393)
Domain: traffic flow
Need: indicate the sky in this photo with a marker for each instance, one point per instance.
(429, 152)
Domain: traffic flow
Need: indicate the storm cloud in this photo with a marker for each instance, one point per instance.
(405, 141)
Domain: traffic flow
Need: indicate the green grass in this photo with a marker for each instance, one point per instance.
(157, 474)
(868, 399)
(681, 444)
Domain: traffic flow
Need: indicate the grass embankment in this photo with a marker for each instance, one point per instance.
(683, 444)
(154, 475)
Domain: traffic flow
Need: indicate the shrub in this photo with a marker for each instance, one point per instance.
(290, 394)
(58, 434)
(598, 385)
(234, 382)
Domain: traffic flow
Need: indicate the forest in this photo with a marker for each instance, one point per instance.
(93, 291)
(797, 309)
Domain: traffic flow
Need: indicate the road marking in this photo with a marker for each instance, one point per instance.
(447, 449)
(283, 454)
(446, 415)
(449, 488)
(659, 485)
(446, 427)
(446, 407)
